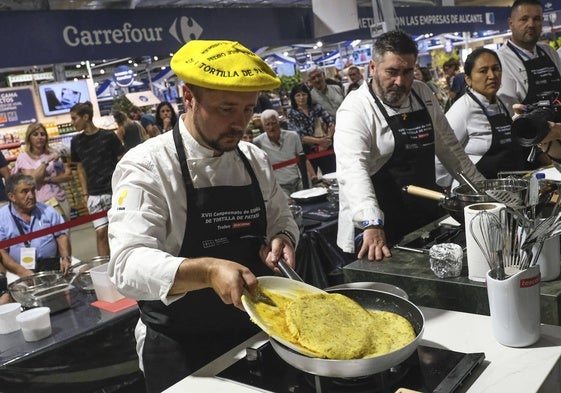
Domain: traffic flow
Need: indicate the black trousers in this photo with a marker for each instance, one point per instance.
(167, 360)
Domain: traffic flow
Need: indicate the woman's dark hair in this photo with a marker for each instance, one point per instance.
(300, 88)
(473, 56)
(83, 108)
(425, 72)
(159, 121)
(120, 117)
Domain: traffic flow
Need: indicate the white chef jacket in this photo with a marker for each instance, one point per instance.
(514, 84)
(364, 142)
(149, 210)
(472, 128)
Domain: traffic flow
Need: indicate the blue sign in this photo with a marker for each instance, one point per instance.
(65, 36)
(16, 107)
(123, 75)
(436, 20)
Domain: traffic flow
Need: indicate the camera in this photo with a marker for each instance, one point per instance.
(531, 127)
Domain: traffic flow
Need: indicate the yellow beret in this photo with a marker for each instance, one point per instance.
(223, 65)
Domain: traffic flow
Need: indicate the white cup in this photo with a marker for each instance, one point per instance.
(477, 262)
(515, 307)
(8, 314)
(35, 323)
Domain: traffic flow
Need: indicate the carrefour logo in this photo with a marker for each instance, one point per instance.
(183, 29)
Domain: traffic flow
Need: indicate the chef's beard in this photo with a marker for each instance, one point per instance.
(222, 144)
(392, 97)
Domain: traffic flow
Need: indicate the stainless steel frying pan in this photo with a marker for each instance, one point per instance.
(370, 299)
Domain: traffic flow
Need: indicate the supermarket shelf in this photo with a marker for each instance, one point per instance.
(10, 145)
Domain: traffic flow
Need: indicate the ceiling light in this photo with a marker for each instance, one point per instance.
(319, 44)
(102, 71)
(130, 61)
(78, 66)
(155, 58)
(135, 64)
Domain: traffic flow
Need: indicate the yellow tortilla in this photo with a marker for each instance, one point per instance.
(333, 326)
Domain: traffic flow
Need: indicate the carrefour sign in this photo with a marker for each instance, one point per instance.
(65, 36)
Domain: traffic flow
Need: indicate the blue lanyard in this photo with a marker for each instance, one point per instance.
(27, 243)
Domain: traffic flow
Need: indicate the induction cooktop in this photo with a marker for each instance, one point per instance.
(428, 369)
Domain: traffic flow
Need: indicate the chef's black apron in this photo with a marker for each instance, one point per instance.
(412, 163)
(222, 222)
(542, 73)
(503, 154)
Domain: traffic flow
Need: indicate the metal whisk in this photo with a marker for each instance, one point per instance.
(487, 231)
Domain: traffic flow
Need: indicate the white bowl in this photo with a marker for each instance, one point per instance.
(35, 323)
(8, 314)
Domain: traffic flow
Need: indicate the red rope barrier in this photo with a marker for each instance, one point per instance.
(53, 229)
(309, 157)
(95, 216)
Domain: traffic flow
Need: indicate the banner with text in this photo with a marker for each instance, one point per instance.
(435, 20)
(66, 36)
(16, 107)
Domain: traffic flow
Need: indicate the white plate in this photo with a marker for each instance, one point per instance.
(309, 193)
(330, 176)
(285, 287)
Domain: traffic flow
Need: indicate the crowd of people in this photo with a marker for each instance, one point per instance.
(196, 210)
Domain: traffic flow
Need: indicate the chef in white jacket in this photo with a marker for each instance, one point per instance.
(197, 215)
(387, 134)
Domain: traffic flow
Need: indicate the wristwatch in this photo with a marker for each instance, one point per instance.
(290, 237)
(377, 223)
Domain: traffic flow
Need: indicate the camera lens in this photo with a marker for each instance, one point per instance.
(530, 128)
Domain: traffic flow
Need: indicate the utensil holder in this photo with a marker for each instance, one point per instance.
(515, 307)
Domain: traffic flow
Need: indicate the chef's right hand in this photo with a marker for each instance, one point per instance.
(228, 279)
(374, 244)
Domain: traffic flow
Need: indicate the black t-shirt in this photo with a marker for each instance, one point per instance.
(99, 154)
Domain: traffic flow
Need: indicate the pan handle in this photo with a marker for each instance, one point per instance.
(424, 192)
(288, 271)
(468, 181)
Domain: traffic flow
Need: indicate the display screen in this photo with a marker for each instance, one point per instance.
(362, 55)
(58, 98)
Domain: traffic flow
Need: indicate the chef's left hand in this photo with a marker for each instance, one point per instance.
(280, 247)
(374, 245)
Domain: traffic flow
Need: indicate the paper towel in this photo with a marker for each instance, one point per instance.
(477, 264)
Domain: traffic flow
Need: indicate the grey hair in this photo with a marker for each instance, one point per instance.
(268, 113)
(16, 179)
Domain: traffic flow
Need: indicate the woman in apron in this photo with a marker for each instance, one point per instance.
(482, 122)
